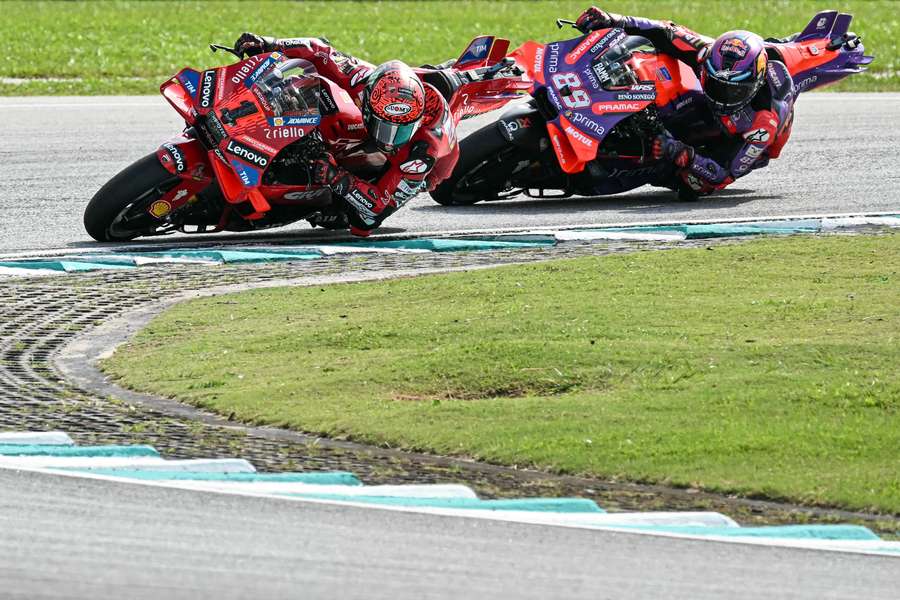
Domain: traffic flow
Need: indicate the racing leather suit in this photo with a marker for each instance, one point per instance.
(420, 164)
(745, 140)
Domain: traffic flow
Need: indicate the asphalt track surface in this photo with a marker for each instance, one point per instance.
(75, 538)
(56, 152)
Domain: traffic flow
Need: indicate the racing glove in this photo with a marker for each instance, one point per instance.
(325, 171)
(670, 149)
(252, 44)
(594, 18)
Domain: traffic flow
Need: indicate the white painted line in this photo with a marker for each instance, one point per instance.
(43, 462)
(79, 105)
(299, 487)
(835, 223)
(592, 520)
(231, 465)
(36, 438)
(196, 465)
(636, 236)
(15, 272)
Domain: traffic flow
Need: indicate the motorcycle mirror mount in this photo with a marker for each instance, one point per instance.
(228, 49)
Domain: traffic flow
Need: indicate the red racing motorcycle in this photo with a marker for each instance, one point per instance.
(252, 129)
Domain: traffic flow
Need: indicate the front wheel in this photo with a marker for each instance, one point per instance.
(119, 210)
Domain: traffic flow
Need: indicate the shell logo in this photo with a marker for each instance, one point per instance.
(160, 208)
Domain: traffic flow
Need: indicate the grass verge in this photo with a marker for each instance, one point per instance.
(132, 47)
(766, 368)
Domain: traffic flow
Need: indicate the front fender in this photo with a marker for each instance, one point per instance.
(185, 157)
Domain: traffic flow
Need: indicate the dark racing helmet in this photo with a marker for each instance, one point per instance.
(732, 69)
(393, 105)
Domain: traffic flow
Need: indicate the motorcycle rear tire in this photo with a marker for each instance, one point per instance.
(474, 151)
(139, 182)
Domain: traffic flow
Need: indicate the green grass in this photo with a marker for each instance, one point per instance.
(767, 368)
(131, 47)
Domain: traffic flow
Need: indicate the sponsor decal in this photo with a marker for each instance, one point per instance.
(560, 153)
(260, 145)
(261, 98)
(220, 156)
(249, 177)
(553, 97)
(754, 151)
(177, 157)
(618, 107)
(663, 74)
(814, 50)
(599, 69)
(246, 69)
(613, 36)
(553, 58)
(406, 190)
(510, 127)
(477, 50)
(295, 121)
(355, 126)
(684, 102)
(396, 109)
(294, 42)
(583, 139)
(326, 102)
(281, 133)
(820, 24)
(694, 182)
(363, 205)
(592, 78)
(642, 87)
(207, 85)
(417, 166)
(538, 65)
(586, 123)
(160, 208)
(216, 127)
(303, 194)
(251, 79)
(734, 47)
(248, 154)
(359, 75)
(633, 96)
(583, 46)
(757, 136)
(805, 83)
(190, 80)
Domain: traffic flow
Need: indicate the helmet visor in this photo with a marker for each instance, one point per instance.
(390, 135)
(729, 95)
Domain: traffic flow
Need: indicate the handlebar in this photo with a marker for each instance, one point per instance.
(561, 22)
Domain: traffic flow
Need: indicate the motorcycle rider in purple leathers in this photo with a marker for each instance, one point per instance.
(750, 97)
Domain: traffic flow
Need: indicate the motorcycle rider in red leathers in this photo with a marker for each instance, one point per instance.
(751, 98)
(408, 122)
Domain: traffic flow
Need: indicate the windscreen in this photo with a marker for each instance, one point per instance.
(291, 89)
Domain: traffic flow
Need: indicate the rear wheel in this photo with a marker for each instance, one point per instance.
(486, 162)
(118, 211)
